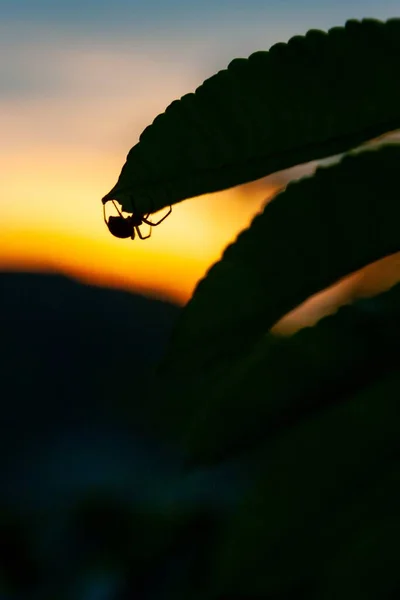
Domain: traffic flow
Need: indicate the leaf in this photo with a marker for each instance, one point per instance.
(280, 382)
(283, 381)
(316, 231)
(367, 566)
(327, 490)
(318, 95)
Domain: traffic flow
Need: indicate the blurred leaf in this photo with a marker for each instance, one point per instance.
(325, 507)
(313, 419)
(283, 381)
(19, 571)
(316, 231)
(280, 382)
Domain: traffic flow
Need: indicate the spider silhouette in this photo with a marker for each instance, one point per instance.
(125, 227)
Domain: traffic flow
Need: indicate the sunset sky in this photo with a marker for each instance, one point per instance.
(79, 82)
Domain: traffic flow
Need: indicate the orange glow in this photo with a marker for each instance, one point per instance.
(63, 150)
(367, 282)
(168, 265)
(52, 221)
(60, 158)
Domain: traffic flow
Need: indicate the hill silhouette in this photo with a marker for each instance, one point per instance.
(75, 456)
(75, 363)
(61, 340)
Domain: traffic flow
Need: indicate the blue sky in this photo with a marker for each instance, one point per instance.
(208, 33)
(94, 13)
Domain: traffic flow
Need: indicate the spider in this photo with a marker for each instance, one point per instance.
(125, 227)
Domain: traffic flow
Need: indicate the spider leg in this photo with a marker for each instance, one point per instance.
(145, 220)
(134, 212)
(142, 237)
(145, 217)
(119, 212)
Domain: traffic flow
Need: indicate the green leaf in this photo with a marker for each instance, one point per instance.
(316, 231)
(367, 565)
(328, 490)
(280, 382)
(283, 381)
(317, 95)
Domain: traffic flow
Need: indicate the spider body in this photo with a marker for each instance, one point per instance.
(127, 227)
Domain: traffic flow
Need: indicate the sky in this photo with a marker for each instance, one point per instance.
(79, 81)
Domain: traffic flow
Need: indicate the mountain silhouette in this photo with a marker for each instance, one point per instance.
(61, 340)
(81, 476)
(75, 364)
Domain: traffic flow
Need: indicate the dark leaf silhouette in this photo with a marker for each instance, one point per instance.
(325, 513)
(318, 95)
(304, 428)
(312, 419)
(315, 232)
(282, 381)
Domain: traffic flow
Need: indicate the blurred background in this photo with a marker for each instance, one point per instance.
(79, 81)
